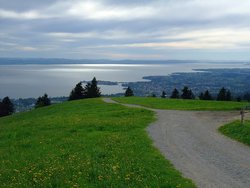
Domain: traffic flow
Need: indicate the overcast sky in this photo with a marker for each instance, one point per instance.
(126, 29)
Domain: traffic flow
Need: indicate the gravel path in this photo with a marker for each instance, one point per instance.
(190, 140)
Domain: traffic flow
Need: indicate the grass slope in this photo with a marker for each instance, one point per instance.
(179, 104)
(85, 143)
(237, 131)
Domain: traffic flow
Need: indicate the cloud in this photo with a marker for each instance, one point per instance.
(136, 29)
(64, 35)
(97, 11)
(211, 38)
(29, 15)
(180, 39)
(93, 10)
(133, 56)
(26, 48)
(108, 35)
(128, 10)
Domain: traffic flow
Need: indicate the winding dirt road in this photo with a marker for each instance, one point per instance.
(190, 140)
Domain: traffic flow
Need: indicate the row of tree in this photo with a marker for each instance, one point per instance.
(91, 90)
(223, 95)
(186, 93)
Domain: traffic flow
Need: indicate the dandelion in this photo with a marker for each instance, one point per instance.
(115, 167)
(17, 171)
(127, 177)
(75, 185)
(100, 177)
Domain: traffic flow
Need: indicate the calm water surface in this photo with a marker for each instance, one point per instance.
(58, 80)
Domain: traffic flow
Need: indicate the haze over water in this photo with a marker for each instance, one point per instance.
(23, 81)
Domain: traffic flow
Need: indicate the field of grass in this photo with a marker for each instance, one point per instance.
(179, 104)
(85, 143)
(237, 131)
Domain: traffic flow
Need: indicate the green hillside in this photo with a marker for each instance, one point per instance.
(85, 143)
(237, 131)
(179, 104)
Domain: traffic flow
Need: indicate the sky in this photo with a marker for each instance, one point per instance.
(126, 29)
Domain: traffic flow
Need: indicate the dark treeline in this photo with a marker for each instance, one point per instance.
(223, 95)
(245, 97)
(186, 93)
(91, 90)
(43, 101)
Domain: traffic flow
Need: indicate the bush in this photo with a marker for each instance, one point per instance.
(42, 101)
(6, 107)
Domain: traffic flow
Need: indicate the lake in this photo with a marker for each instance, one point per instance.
(23, 81)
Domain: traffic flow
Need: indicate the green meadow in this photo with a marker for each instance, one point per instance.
(180, 104)
(237, 131)
(85, 143)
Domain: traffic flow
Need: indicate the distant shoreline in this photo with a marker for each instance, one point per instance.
(53, 61)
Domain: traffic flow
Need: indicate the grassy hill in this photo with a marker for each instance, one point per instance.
(179, 104)
(237, 131)
(85, 143)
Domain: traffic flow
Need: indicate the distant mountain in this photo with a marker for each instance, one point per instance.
(20, 61)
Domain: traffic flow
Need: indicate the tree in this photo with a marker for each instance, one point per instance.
(129, 92)
(175, 94)
(2, 109)
(228, 95)
(6, 107)
(201, 96)
(163, 94)
(77, 93)
(207, 96)
(187, 93)
(153, 95)
(238, 99)
(91, 90)
(86, 91)
(42, 101)
(222, 94)
(247, 97)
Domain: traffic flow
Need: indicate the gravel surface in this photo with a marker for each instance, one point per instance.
(190, 140)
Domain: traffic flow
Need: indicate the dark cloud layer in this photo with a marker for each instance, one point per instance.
(138, 29)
